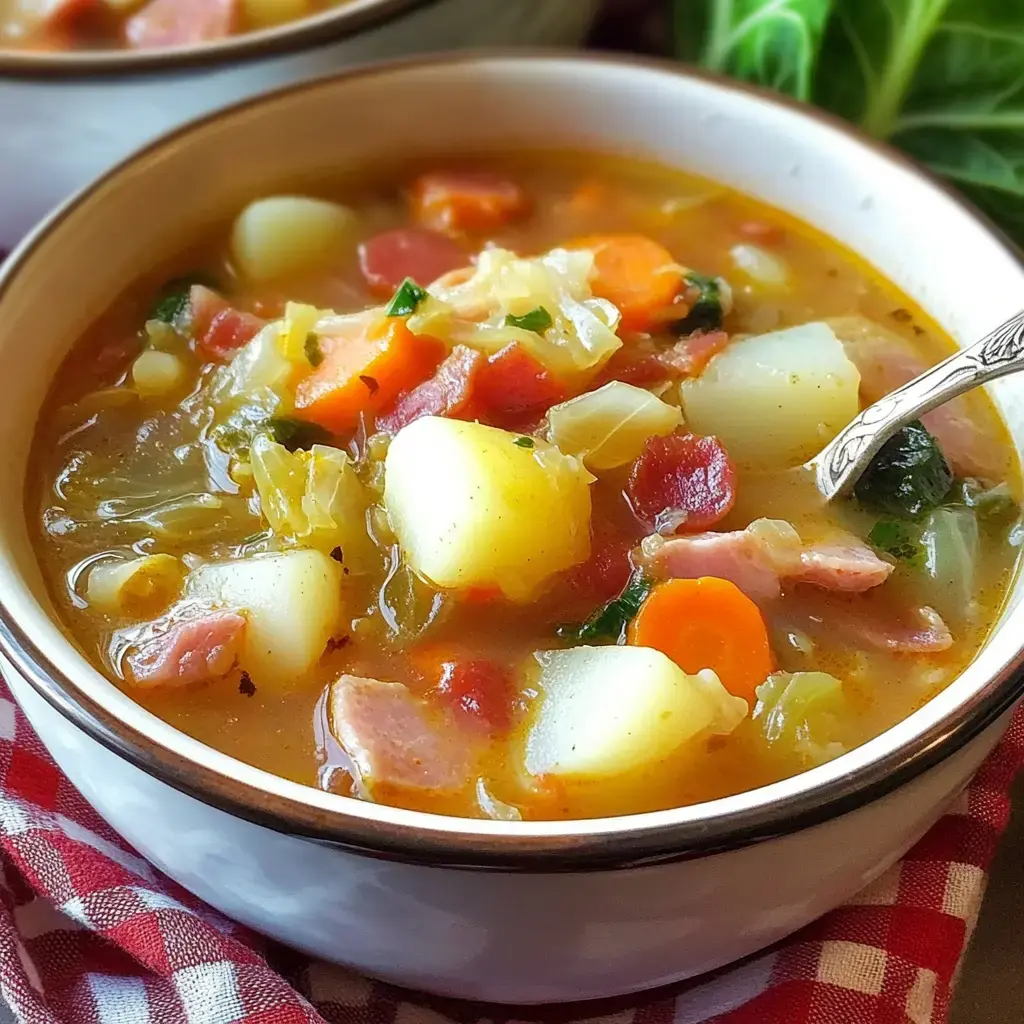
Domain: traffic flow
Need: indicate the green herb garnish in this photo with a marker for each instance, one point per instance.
(609, 622)
(706, 310)
(899, 539)
(406, 299)
(314, 353)
(537, 320)
(172, 304)
(907, 477)
(524, 442)
(294, 434)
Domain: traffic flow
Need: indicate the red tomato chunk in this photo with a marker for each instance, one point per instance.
(683, 475)
(482, 690)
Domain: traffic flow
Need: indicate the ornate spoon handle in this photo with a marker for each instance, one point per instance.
(840, 463)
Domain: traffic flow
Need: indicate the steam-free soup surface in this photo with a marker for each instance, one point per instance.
(141, 24)
(476, 488)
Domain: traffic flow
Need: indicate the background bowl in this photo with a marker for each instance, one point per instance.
(67, 117)
(515, 912)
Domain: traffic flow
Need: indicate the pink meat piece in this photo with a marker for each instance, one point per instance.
(759, 567)
(193, 651)
(164, 23)
(58, 15)
(886, 362)
(868, 620)
(393, 739)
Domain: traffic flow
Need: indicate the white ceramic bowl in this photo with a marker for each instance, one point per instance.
(516, 912)
(67, 117)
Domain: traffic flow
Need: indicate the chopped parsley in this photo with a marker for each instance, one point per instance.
(172, 304)
(294, 434)
(706, 309)
(406, 299)
(524, 442)
(246, 685)
(537, 320)
(609, 622)
(901, 540)
(314, 353)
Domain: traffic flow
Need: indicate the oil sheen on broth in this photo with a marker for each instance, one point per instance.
(652, 356)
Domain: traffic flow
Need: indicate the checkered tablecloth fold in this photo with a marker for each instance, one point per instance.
(90, 933)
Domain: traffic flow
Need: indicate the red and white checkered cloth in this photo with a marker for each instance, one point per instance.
(92, 934)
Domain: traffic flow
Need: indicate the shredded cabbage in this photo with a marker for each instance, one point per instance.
(473, 311)
(608, 427)
(800, 711)
(314, 499)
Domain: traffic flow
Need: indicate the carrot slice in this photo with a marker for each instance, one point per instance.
(635, 273)
(707, 623)
(456, 201)
(364, 371)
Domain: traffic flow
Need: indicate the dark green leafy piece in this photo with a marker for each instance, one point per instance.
(942, 79)
(314, 353)
(909, 475)
(706, 311)
(172, 304)
(524, 442)
(609, 622)
(406, 299)
(295, 434)
(899, 539)
(537, 320)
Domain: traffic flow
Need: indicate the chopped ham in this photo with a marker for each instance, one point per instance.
(193, 651)
(219, 328)
(164, 23)
(393, 739)
(760, 558)
(868, 619)
(886, 362)
(447, 393)
(690, 355)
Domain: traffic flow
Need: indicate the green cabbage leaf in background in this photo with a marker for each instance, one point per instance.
(941, 79)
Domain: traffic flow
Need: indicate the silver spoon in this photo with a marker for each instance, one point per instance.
(838, 466)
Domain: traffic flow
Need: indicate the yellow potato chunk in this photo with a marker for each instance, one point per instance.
(776, 399)
(292, 601)
(281, 235)
(476, 506)
(608, 711)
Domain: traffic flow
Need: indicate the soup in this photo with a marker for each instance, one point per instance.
(478, 488)
(141, 24)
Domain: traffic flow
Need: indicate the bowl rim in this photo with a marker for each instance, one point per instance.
(871, 771)
(331, 25)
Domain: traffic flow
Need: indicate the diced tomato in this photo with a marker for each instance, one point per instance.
(605, 572)
(682, 474)
(447, 393)
(690, 355)
(458, 201)
(229, 331)
(181, 23)
(479, 689)
(386, 260)
(513, 389)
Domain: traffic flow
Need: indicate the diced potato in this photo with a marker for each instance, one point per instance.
(776, 399)
(139, 587)
(264, 13)
(608, 427)
(475, 506)
(156, 373)
(282, 235)
(292, 601)
(608, 711)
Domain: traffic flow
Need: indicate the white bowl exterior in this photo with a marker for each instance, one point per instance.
(60, 133)
(495, 935)
(509, 938)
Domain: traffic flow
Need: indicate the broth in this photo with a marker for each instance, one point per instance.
(120, 474)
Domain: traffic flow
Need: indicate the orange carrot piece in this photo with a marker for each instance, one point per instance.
(457, 201)
(364, 372)
(636, 274)
(707, 623)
